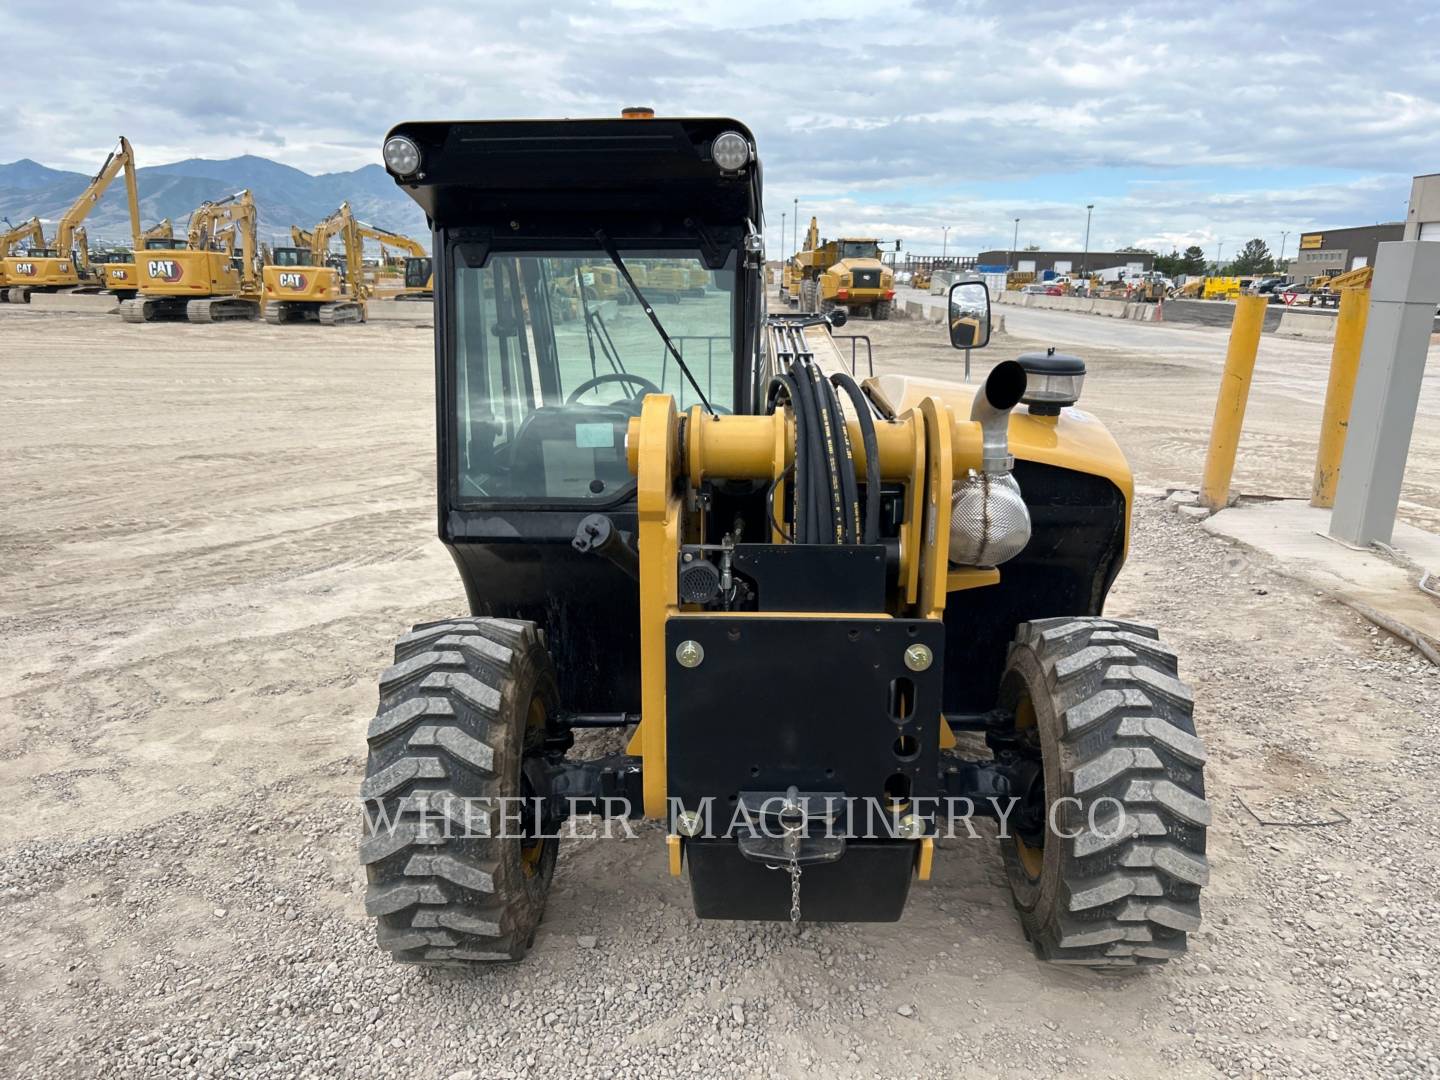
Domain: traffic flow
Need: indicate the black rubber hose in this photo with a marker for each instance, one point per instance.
(822, 511)
(847, 492)
(866, 420)
(798, 498)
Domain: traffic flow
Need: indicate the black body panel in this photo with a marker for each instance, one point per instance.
(515, 566)
(815, 577)
(868, 884)
(805, 702)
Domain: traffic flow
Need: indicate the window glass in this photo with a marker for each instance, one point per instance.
(554, 354)
(859, 249)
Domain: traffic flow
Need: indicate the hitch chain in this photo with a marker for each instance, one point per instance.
(792, 820)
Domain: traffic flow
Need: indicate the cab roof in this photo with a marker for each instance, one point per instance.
(515, 173)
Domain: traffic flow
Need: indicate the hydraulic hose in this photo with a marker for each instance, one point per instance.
(866, 419)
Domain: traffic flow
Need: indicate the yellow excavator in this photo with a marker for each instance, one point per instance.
(116, 269)
(31, 233)
(302, 284)
(419, 268)
(53, 268)
(210, 276)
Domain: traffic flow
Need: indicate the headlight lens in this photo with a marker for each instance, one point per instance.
(402, 156)
(731, 151)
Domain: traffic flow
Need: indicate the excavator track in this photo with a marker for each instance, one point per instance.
(221, 309)
(343, 311)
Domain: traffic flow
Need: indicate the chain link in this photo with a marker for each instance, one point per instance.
(794, 892)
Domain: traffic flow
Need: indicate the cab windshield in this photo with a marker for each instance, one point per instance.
(553, 356)
(159, 243)
(291, 256)
(859, 249)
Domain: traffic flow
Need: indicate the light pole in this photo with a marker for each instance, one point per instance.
(782, 235)
(1281, 260)
(1085, 261)
(1015, 242)
(1219, 247)
(795, 227)
(944, 241)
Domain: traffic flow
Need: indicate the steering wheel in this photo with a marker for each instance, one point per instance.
(610, 377)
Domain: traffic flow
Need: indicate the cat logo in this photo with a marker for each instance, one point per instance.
(26, 268)
(167, 270)
(118, 275)
(291, 280)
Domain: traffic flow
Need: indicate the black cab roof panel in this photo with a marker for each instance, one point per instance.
(486, 171)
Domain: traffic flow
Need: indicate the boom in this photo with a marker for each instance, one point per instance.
(31, 230)
(121, 159)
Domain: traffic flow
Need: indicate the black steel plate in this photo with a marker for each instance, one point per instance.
(778, 701)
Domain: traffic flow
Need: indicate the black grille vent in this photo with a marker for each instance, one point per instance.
(866, 279)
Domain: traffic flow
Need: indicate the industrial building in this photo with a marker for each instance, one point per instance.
(1066, 262)
(1334, 251)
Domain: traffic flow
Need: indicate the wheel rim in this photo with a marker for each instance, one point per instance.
(1032, 857)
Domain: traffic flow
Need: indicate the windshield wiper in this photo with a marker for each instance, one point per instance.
(610, 249)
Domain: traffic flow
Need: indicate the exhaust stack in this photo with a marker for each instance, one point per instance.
(989, 523)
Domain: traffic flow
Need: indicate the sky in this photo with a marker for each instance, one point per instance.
(933, 122)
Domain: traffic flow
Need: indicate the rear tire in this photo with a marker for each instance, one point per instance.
(450, 880)
(1117, 882)
(881, 311)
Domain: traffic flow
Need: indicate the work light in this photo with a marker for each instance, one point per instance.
(731, 151)
(402, 156)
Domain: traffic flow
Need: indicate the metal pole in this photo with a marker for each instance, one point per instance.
(1285, 235)
(1085, 263)
(1230, 404)
(1403, 295)
(944, 241)
(795, 227)
(1015, 243)
(1344, 366)
(782, 230)
(1219, 247)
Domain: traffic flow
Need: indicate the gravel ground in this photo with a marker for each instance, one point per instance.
(212, 536)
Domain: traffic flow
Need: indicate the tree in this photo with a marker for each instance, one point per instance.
(1193, 261)
(1254, 258)
(1169, 265)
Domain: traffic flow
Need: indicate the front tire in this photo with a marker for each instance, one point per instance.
(1116, 881)
(451, 879)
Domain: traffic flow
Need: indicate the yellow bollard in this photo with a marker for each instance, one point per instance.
(1344, 366)
(1230, 405)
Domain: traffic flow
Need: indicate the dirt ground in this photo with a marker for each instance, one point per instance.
(212, 536)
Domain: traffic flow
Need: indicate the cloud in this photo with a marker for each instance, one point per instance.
(1227, 119)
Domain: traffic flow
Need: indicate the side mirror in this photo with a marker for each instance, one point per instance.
(969, 315)
(838, 318)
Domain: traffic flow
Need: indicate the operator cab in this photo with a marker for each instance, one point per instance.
(291, 256)
(551, 238)
(161, 244)
(548, 350)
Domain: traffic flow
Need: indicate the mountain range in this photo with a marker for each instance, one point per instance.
(284, 196)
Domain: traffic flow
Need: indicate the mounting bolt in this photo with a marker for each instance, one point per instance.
(689, 654)
(911, 827)
(688, 823)
(918, 657)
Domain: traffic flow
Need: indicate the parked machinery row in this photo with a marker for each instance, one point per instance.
(217, 270)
